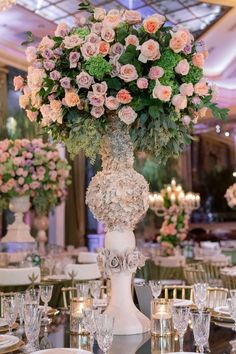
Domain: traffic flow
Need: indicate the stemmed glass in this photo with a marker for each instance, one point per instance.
(89, 316)
(21, 302)
(233, 294)
(32, 319)
(201, 328)
(200, 295)
(32, 296)
(180, 315)
(232, 310)
(82, 289)
(10, 310)
(155, 286)
(104, 331)
(46, 294)
(95, 289)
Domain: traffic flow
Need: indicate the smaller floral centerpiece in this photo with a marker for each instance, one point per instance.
(230, 196)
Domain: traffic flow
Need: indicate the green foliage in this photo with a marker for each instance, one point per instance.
(82, 32)
(168, 60)
(121, 33)
(98, 67)
(194, 75)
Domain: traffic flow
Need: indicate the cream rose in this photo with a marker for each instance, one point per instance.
(96, 100)
(179, 101)
(46, 43)
(111, 103)
(149, 51)
(152, 23)
(99, 13)
(99, 89)
(127, 115)
(128, 73)
(24, 100)
(131, 39)
(62, 30)
(71, 99)
(31, 115)
(186, 89)
(108, 34)
(35, 77)
(112, 19)
(18, 82)
(163, 93)
(132, 17)
(36, 99)
(182, 67)
(30, 53)
(72, 41)
(201, 88)
(84, 80)
(97, 112)
(198, 60)
(89, 50)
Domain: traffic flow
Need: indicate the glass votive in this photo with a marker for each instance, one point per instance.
(81, 342)
(161, 345)
(161, 317)
(77, 305)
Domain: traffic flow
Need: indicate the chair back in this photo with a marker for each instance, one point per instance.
(144, 297)
(216, 297)
(193, 275)
(82, 271)
(87, 257)
(184, 292)
(19, 276)
(229, 281)
(67, 294)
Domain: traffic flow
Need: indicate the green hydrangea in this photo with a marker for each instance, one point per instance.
(98, 67)
(194, 75)
(82, 32)
(168, 60)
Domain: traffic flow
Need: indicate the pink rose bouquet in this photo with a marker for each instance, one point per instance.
(33, 168)
(151, 74)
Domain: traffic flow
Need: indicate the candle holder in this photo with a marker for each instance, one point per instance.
(80, 341)
(161, 345)
(77, 305)
(161, 318)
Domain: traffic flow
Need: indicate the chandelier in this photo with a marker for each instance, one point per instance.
(173, 195)
(6, 4)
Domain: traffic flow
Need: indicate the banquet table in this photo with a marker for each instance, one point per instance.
(59, 336)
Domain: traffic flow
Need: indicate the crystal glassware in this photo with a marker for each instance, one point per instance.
(10, 310)
(155, 286)
(95, 288)
(232, 310)
(46, 294)
(200, 295)
(21, 302)
(201, 328)
(32, 296)
(104, 331)
(82, 289)
(233, 294)
(32, 320)
(180, 316)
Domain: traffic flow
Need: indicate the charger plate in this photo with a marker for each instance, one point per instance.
(13, 348)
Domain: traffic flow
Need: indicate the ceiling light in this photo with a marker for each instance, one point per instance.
(6, 4)
(217, 128)
(227, 134)
(234, 174)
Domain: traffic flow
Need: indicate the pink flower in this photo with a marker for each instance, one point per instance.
(53, 175)
(62, 30)
(4, 156)
(35, 78)
(96, 27)
(55, 105)
(127, 115)
(84, 80)
(96, 100)
(21, 180)
(149, 51)
(93, 38)
(45, 43)
(4, 144)
(116, 66)
(186, 120)
(49, 65)
(18, 82)
(100, 89)
(201, 88)
(177, 44)
(72, 41)
(31, 54)
(132, 17)
(117, 49)
(198, 60)
(99, 13)
(97, 112)
(34, 185)
(71, 98)
(108, 34)
(142, 83)
(155, 72)
(89, 50)
(24, 101)
(55, 75)
(103, 48)
(36, 99)
(65, 82)
(163, 93)
(186, 89)
(74, 58)
(128, 73)
(31, 115)
(47, 53)
(182, 67)
(152, 23)
(112, 19)
(131, 39)
(111, 103)
(179, 101)
(196, 100)
(123, 96)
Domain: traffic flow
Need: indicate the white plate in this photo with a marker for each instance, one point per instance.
(62, 351)
(8, 340)
(3, 322)
(224, 324)
(182, 302)
(222, 309)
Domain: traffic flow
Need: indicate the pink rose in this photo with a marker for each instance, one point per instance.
(128, 73)
(182, 67)
(112, 19)
(84, 80)
(74, 58)
(97, 112)
(111, 103)
(55, 75)
(47, 53)
(186, 120)
(18, 82)
(96, 27)
(186, 89)
(34, 185)
(116, 49)
(35, 78)
(116, 66)
(100, 89)
(108, 34)
(93, 38)
(198, 60)
(196, 100)
(55, 105)
(149, 51)
(177, 44)
(201, 88)
(53, 175)
(127, 115)
(71, 99)
(161, 92)
(45, 43)
(24, 101)
(155, 72)
(142, 83)
(49, 64)
(89, 50)
(96, 100)
(36, 99)
(179, 101)
(31, 54)
(103, 48)
(152, 23)
(131, 39)
(185, 35)
(123, 96)
(72, 41)
(65, 82)
(31, 115)
(21, 180)
(132, 17)
(62, 30)
(99, 13)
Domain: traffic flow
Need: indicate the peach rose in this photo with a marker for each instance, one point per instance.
(62, 30)
(36, 99)
(202, 112)
(182, 67)
(186, 120)
(132, 17)
(35, 78)
(103, 48)
(123, 96)
(149, 51)
(31, 54)
(84, 80)
(18, 82)
(163, 93)
(155, 72)
(177, 44)
(99, 89)
(24, 100)
(96, 100)
(201, 88)
(131, 39)
(152, 23)
(111, 103)
(108, 34)
(99, 13)
(142, 83)
(97, 112)
(46, 43)
(72, 41)
(185, 35)
(89, 50)
(128, 73)
(55, 105)
(112, 19)
(198, 60)
(31, 115)
(186, 89)
(96, 27)
(179, 101)
(71, 99)
(127, 115)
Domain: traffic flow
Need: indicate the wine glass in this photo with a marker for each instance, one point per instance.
(104, 331)
(82, 289)
(200, 295)
(233, 294)
(10, 310)
(201, 328)
(180, 315)
(155, 286)
(21, 302)
(89, 316)
(95, 289)
(32, 296)
(46, 294)
(232, 310)
(32, 320)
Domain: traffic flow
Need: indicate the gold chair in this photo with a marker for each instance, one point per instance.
(212, 270)
(67, 294)
(193, 275)
(229, 281)
(216, 297)
(184, 292)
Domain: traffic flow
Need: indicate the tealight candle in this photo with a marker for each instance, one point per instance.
(77, 305)
(161, 318)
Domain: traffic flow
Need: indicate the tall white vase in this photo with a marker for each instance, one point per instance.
(118, 197)
(18, 231)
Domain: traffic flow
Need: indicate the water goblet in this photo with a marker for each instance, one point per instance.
(10, 310)
(32, 320)
(201, 328)
(46, 294)
(233, 294)
(82, 289)
(95, 289)
(32, 296)
(200, 295)
(89, 317)
(180, 316)
(155, 286)
(232, 310)
(104, 331)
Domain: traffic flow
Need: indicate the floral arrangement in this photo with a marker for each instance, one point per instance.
(149, 73)
(32, 168)
(230, 196)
